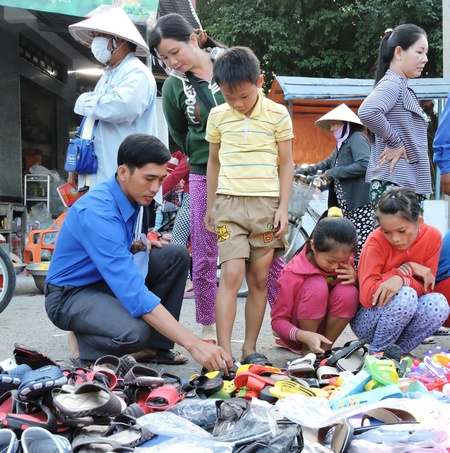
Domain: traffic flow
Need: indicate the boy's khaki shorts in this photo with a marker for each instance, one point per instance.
(245, 227)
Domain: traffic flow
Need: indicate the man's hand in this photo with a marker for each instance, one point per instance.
(137, 246)
(212, 357)
(392, 156)
(445, 183)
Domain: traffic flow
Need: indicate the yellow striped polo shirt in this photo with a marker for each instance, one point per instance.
(248, 147)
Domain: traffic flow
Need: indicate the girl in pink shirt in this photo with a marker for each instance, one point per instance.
(317, 294)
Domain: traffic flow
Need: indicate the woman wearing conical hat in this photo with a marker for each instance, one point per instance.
(345, 169)
(124, 98)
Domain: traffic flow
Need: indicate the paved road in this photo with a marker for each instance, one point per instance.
(25, 321)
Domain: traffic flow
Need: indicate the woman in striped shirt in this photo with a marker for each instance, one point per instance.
(399, 155)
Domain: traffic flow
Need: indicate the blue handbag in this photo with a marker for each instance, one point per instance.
(81, 158)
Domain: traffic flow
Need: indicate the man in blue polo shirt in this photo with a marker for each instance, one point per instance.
(94, 287)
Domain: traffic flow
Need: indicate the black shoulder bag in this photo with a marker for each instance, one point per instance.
(199, 91)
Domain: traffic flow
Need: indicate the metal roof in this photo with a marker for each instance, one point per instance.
(353, 89)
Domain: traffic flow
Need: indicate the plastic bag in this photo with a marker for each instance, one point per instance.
(257, 422)
(201, 412)
(316, 413)
(176, 445)
(42, 215)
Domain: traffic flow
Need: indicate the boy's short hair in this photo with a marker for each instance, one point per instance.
(235, 66)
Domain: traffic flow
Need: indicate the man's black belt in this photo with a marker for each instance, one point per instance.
(53, 288)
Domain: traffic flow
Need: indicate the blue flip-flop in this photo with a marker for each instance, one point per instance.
(35, 383)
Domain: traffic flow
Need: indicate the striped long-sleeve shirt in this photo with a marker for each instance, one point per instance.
(392, 112)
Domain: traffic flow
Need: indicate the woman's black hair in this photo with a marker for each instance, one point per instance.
(331, 232)
(176, 27)
(401, 201)
(354, 127)
(138, 150)
(404, 36)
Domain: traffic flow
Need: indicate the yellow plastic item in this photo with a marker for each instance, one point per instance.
(443, 359)
(283, 389)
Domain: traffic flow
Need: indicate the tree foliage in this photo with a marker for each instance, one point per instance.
(320, 38)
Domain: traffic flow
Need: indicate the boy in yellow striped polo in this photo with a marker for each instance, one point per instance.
(249, 178)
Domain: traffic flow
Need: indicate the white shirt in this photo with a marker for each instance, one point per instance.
(124, 102)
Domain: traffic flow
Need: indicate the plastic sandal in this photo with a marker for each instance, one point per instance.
(442, 332)
(325, 373)
(283, 389)
(18, 415)
(341, 438)
(101, 445)
(109, 363)
(37, 440)
(249, 384)
(386, 415)
(256, 359)
(81, 375)
(383, 371)
(350, 357)
(126, 363)
(351, 386)
(162, 398)
(126, 431)
(372, 396)
(31, 356)
(143, 376)
(8, 441)
(302, 364)
(263, 370)
(85, 401)
(36, 383)
(203, 386)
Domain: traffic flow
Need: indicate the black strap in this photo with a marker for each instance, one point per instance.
(199, 90)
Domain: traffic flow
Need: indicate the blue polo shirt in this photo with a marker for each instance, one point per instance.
(94, 245)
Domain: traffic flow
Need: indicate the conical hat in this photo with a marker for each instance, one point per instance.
(113, 22)
(340, 113)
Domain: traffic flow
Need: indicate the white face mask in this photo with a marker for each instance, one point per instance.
(99, 48)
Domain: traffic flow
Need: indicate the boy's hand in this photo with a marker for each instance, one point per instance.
(347, 274)
(210, 223)
(280, 223)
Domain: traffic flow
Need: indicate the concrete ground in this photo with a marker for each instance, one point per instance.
(25, 321)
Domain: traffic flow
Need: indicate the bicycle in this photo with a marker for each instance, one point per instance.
(303, 188)
(7, 279)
